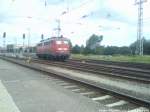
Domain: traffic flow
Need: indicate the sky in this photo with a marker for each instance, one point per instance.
(116, 20)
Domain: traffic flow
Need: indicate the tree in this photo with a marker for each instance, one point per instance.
(70, 44)
(82, 49)
(146, 47)
(76, 49)
(124, 50)
(111, 50)
(87, 51)
(94, 41)
(133, 48)
(100, 50)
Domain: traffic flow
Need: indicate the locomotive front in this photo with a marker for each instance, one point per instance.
(54, 48)
(61, 48)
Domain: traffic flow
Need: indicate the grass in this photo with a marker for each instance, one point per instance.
(118, 58)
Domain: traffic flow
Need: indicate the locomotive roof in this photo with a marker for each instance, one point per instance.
(54, 38)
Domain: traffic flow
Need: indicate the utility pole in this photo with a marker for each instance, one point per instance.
(139, 46)
(58, 27)
(28, 37)
(15, 43)
(29, 31)
(59, 21)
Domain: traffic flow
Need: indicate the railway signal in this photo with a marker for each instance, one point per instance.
(45, 3)
(23, 39)
(4, 34)
(42, 36)
(4, 37)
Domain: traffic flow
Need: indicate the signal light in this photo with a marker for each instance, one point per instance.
(42, 36)
(4, 34)
(23, 36)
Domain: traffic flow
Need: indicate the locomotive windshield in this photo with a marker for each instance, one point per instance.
(62, 42)
(58, 42)
(66, 42)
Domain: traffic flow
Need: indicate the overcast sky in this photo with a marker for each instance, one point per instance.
(116, 20)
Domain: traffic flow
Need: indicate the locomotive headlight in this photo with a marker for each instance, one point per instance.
(65, 49)
(59, 48)
(58, 42)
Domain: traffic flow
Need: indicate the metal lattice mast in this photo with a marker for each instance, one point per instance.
(139, 46)
(58, 27)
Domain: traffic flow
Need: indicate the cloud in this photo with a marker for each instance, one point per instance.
(115, 19)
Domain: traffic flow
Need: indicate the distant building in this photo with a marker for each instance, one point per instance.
(10, 48)
(2, 50)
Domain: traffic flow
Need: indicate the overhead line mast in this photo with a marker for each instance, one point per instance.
(139, 44)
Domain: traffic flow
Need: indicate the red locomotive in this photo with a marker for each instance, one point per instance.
(55, 48)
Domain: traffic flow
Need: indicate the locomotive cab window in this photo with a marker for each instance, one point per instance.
(65, 42)
(46, 43)
(58, 42)
(40, 44)
(51, 42)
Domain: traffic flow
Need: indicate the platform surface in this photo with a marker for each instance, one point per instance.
(26, 90)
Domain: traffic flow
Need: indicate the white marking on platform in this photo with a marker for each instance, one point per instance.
(60, 111)
(64, 84)
(56, 80)
(12, 81)
(60, 81)
(87, 93)
(6, 102)
(140, 109)
(71, 86)
(75, 90)
(102, 97)
(119, 103)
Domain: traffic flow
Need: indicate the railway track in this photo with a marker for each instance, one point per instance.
(108, 98)
(123, 64)
(113, 101)
(123, 72)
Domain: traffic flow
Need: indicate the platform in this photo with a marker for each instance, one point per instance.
(26, 90)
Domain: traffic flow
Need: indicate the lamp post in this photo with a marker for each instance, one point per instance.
(29, 35)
